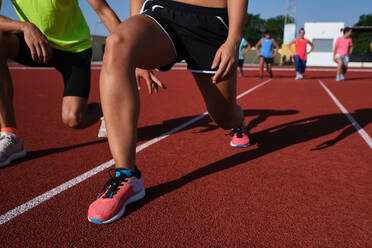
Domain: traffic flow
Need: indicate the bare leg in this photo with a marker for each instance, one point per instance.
(220, 100)
(9, 47)
(339, 66)
(137, 42)
(78, 114)
(261, 66)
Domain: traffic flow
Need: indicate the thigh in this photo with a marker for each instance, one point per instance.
(142, 40)
(75, 70)
(219, 98)
(10, 45)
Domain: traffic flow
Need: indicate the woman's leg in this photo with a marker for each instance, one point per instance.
(220, 100)
(137, 42)
(339, 66)
(261, 66)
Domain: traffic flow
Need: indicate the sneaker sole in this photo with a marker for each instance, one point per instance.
(102, 134)
(132, 199)
(239, 145)
(14, 156)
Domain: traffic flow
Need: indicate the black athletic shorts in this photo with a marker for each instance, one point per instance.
(195, 32)
(74, 67)
(240, 62)
(268, 60)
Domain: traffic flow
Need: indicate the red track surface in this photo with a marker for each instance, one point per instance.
(284, 191)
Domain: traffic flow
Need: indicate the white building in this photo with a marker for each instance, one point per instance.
(323, 35)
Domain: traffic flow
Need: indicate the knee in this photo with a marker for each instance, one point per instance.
(73, 119)
(117, 45)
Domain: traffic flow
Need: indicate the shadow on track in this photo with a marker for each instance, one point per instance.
(41, 153)
(268, 141)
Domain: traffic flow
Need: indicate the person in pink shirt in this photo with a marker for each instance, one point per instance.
(343, 48)
(300, 55)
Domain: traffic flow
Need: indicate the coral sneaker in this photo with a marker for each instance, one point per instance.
(239, 137)
(121, 189)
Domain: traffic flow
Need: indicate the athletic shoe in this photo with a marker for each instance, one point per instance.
(102, 129)
(297, 77)
(342, 77)
(338, 78)
(239, 137)
(121, 189)
(11, 148)
(301, 77)
(241, 74)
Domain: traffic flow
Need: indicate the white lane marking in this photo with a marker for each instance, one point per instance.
(180, 67)
(71, 183)
(356, 125)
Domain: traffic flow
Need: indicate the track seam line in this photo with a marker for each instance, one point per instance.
(356, 125)
(73, 182)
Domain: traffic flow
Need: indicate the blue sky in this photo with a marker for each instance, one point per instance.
(307, 11)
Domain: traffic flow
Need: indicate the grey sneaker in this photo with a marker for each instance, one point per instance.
(102, 130)
(11, 148)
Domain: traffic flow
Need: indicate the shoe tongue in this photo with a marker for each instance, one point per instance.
(123, 171)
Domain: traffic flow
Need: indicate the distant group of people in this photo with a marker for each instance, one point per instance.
(264, 49)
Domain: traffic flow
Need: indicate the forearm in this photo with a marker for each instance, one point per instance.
(351, 50)
(135, 6)
(237, 10)
(11, 26)
(106, 14)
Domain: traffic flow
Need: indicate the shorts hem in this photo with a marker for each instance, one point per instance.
(202, 71)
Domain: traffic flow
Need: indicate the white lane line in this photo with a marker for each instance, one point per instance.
(71, 183)
(356, 125)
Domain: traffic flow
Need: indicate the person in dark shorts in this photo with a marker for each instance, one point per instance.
(264, 50)
(206, 35)
(244, 47)
(55, 34)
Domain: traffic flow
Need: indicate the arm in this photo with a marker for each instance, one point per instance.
(334, 53)
(257, 48)
(311, 46)
(226, 56)
(39, 46)
(135, 6)
(371, 46)
(290, 46)
(351, 48)
(105, 13)
(246, 49)
(276, 48)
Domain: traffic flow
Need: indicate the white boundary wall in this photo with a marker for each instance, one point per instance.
(322, 30)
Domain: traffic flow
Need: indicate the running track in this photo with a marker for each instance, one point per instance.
(305, 182)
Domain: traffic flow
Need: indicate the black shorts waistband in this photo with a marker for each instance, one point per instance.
(191, 8)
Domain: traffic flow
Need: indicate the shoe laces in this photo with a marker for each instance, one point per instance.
(6, 141)
(112, 185)
(237, 131)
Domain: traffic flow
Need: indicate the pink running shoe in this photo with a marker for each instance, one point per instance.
(239, 137)
(119, 191)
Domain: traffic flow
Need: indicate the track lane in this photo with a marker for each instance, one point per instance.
(276, 192)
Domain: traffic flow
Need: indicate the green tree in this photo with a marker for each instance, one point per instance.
(276, 27)
(253, 29)
(362, 39)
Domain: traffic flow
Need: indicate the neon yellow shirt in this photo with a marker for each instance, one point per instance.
(61, 21)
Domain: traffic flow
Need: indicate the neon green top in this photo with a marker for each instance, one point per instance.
(61, 21)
